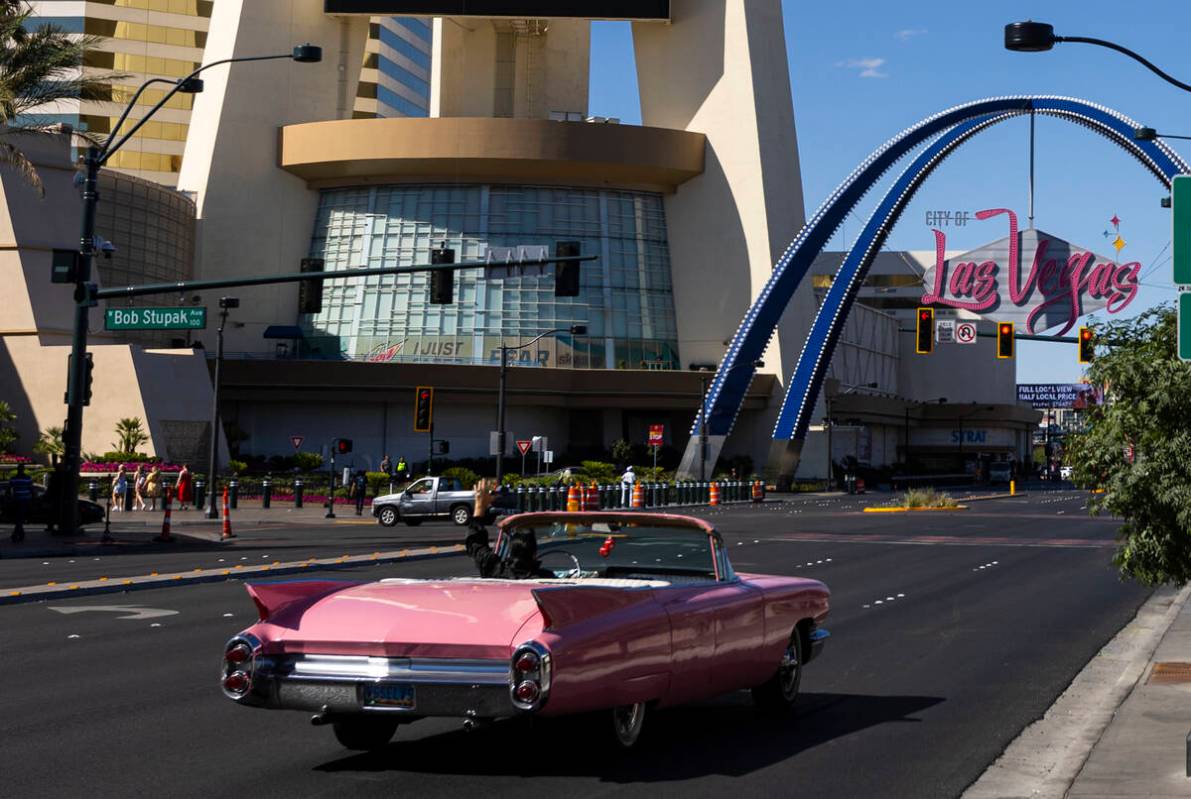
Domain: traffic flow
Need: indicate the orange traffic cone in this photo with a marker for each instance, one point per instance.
(227, 518)
(164, 538)
(715, 494)
(758, 491)
(573, 498)
(638, 496)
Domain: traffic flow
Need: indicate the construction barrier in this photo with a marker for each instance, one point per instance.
(573, 498)
(714, 494)
(165, 538)
(758, 491)
(227, 518)
(638, 496)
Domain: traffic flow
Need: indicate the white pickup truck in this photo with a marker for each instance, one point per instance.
(428, 498)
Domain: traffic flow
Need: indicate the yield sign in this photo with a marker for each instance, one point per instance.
(296, 441)
(524, 446)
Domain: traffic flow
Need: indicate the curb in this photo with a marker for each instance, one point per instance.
(1046, 758)
(105, 585)
(904, 509)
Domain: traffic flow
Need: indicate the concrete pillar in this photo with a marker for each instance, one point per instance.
(720, 68)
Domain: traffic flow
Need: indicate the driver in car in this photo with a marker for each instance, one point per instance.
(522, 562)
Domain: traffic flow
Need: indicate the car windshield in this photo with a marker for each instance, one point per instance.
(621, 549)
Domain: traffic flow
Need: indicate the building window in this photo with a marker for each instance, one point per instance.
(626, 297)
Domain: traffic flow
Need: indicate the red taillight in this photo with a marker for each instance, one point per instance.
(239, 653)
(237, 682)
(527, 662)
(527, 692)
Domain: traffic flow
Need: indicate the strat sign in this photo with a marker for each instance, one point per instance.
(1032, 278)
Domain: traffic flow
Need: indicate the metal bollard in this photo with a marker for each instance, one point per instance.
(297, 493)
(233, 488)
(266, 492)
(200, 494)
(93, 489)
(521, 499)
(541, 496)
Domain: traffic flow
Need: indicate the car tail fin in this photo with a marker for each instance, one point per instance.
(564, 605)
(269, 597)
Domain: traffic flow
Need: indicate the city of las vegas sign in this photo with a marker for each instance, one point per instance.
(1038, 281)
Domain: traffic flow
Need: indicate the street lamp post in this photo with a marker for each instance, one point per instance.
(574, 330)
(1036, 37)
(84, 291)
(225, 305)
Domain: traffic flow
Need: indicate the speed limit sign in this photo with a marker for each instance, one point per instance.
(965, 332)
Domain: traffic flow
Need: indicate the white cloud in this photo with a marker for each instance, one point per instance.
(909, 33)
(869, 67)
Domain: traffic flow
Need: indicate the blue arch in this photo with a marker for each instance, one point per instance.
(953, 127)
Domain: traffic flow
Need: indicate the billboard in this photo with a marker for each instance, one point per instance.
(1057, 395)
(582, 9)
(1031, 278)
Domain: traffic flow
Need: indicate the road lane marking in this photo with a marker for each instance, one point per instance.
(136, 612)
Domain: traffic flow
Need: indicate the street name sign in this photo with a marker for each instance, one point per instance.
(1185, 325)
(1180, 219)
(155, 319)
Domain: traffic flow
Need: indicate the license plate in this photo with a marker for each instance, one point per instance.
(389, 695)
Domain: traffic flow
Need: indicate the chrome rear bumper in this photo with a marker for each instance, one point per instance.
(335, 684)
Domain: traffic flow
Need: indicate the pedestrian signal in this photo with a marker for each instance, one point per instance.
(566, 275)
(423, 409)
(1087, 345)
(343, 446)
(926, 331)
(442, 281)
(310, 292)
(1005, 340)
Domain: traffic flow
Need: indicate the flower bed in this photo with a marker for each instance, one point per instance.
(7, 458)
(90, 467)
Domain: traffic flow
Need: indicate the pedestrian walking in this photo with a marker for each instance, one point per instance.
(626, 485)
(120, 488)
(139, 479)
(185, 487)
(153, 487)
(20, 492)
(359, 490)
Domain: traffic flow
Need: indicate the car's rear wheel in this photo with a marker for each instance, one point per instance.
(779, 692)
(461, 515)
(387, 516)
(627, 721)
(364, 734)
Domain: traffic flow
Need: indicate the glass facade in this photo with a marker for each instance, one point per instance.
(395, 80)
(626, 297)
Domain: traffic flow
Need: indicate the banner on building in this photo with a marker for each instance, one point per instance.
(1057, 395)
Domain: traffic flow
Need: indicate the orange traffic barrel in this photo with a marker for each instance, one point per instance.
(573, 498)
(638, 496)
(715, 494)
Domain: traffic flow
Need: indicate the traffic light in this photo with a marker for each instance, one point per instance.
(566, 275)
(1004, 339)
(926, 331)
(442, 281)
(1087, 345)
(64, 266)
(88, 367)
(343, 446)
(310, 292)
(423, 409)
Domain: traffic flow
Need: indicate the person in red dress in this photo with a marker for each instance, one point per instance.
(185, 487)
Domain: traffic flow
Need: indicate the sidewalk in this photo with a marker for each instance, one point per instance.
(1120, 729)
(1143, 752)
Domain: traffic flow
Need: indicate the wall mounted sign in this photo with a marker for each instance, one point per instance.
(1057, 395)
(1031, 278)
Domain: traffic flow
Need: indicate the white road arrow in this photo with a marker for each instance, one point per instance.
(136, 612)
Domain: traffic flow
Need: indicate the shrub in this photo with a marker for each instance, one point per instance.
(307, 461)
(125, 457)
(926, 498)
(237, 467)
(599, 471)
(464, 475)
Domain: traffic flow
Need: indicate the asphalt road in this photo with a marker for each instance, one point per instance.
(950, 633)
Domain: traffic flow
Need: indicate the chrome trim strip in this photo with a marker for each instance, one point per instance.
(361, 668)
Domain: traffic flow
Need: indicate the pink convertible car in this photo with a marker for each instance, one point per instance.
(618, 613)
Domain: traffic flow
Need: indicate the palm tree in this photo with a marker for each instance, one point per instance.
(39, 69)
(8, 436)
(50, 442)
(130, 434)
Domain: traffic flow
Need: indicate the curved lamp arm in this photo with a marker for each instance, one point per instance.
(1126, 51)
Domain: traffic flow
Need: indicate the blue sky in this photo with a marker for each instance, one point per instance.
(862, 70)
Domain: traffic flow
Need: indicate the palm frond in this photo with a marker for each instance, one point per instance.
(11, 155)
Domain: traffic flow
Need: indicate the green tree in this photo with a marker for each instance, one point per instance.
(1147, 413)
(8, 435)
(130, 434)
(50, 442)
(39, 70)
